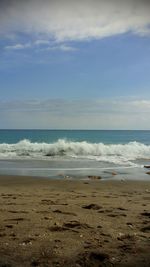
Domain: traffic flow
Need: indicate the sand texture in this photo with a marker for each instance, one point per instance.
(74, 223)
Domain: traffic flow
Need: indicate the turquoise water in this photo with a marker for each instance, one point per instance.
(93, 136)
(74, 152)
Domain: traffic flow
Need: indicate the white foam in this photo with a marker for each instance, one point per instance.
(115, 153)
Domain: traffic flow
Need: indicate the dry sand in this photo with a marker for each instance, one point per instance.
(74, 223)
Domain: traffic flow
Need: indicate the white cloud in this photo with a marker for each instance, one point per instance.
(142, 104)
(17, 46)
(66, 20)
(66, 48)
(114, 105)
(75, 114)
(41, 42)
(62, 47)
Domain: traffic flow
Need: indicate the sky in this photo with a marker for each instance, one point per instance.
(68, 64)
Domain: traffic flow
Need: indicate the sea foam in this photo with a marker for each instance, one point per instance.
(115, 153)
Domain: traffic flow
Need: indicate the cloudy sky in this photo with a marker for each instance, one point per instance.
(75, 64)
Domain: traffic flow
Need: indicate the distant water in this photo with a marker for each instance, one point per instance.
(91, 136)
(73, 152)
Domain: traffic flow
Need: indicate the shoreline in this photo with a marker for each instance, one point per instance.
(71, 223)
(7, 180)
(60, 168)
(52, 171)
(107, 176)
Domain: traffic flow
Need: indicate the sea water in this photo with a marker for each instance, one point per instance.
(75, 153)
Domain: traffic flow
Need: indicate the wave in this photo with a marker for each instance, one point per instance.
(115, 153)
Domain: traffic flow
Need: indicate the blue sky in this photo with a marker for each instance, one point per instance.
(69, 53)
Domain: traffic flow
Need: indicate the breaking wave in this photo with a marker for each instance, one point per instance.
(115, 153)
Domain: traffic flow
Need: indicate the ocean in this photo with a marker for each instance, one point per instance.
(75, 153)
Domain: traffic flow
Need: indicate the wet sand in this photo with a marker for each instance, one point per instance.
(74, 223)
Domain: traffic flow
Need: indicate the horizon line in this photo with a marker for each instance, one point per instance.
(37, 129)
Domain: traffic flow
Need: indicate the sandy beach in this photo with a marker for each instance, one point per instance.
(72, 223)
